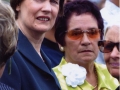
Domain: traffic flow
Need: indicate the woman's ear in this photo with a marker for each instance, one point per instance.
(18, 8)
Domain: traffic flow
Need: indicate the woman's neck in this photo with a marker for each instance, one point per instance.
(35, 37)
(50, 35)
(92, 78)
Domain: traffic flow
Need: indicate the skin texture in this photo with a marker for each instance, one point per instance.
(112, 59)
(29, 20)
(82, 51)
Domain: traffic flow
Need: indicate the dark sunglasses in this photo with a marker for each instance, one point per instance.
(78, 34)
(107, 46)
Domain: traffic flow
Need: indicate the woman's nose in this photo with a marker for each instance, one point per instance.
(47, 7)
(85, 40)
(115, 53)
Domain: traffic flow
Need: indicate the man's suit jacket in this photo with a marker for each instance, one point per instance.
(28, 71)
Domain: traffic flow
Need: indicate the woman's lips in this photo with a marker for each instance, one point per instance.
(43, 18)
(86, 51)
(115, 64)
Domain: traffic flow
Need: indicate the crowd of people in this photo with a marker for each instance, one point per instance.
(57, 45)
(78, 32)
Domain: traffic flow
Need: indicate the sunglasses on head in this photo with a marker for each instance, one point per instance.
(78, 34)
(107, 46)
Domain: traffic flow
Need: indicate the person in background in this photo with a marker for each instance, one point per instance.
(110, 46)
(8, 37)
(109, 10)
(78, 32)
(30, 67)
(51, 47)
(102, 3)
(111, 49)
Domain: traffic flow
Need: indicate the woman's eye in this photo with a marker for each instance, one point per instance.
(39, 0)
(55, 1)
(75, 33)
(92, 32)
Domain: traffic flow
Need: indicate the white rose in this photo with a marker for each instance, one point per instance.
(75, 74)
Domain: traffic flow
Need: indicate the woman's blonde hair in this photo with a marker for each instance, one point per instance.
(8, 32)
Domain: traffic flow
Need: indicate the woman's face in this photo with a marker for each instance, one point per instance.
(83, 50)
(112, 58)
(38, 15)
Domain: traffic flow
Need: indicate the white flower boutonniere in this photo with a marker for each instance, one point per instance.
(75, 74)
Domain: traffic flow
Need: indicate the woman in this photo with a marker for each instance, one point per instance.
(8, 37)
(78, 32)
(111, 49)
(31, 69)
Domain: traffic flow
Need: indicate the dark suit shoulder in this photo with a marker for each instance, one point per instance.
(26, 75)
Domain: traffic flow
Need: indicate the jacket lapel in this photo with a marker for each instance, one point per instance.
(27, 50)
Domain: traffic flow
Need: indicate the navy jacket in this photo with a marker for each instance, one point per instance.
(51, 49)
(28, 71)
(5, 87)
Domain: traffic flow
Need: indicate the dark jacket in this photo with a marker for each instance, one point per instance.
(5, 87)
(118, 88)
(28, 71)
(51, 49)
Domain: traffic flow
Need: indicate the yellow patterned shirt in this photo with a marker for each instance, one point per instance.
(105, 80)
